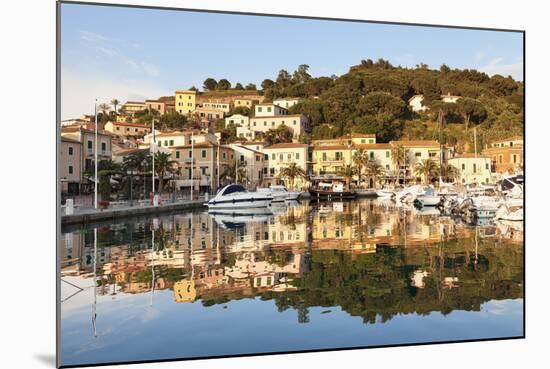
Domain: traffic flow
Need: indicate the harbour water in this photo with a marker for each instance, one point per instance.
(305, 276)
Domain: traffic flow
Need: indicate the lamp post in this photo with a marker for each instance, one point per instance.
(95, 156)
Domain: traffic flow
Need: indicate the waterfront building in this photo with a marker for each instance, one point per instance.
(126, 129)
(281, 155)
(329, 156)
(252, 161)
(87, 138)
(201, 165)
(287, 102)
(472, 168)
(416, 151)
(185, 101)
(70, 165)
(254, 145)
(131, 107)
(506, 155)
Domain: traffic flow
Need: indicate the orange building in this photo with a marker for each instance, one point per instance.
(506, 155)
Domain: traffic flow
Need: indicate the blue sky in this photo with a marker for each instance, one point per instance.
(129, 53)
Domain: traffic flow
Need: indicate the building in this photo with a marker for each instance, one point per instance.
(327, 157)
(296, 123)
(185, 101)
(217, 105)
(416, 151)
(449, 98)
(287, 102)
(269, 110)
(506, 155)
(209, 114)
(472, 168)
(253, 161)
(415, 103)
(281, 155)
(70, 165)
(209, 162)
(163, 105)
(178, 138)
(247, 103)
(82, 120)
(126, 129)
(87, 138)
(238, 120)
(131, 107)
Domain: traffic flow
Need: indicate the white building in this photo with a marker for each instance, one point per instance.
(296, 123)
(449, 98)
(180, 138)
(281, 155)
(217, 105)
(252, 160)
(237, 119)
(287, 103)
(472, 168)
(268, 110)
(415, 103)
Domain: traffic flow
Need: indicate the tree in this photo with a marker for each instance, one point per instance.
(224, 84)
(374, 171)
(115, 103)
(210, 84)
(301, 75)
(238, 86)
(442, 110)
(104, 109)
(347, 171)
(450, 172)
(292, 171)
(132, 165)
(105, 170)
(230, 174)
(267, 84)
(471, 110)
(250, 87)
(280, 134)
(427, 169)
(398, 157)
(360, 159)
(382, 107)
(163, 165)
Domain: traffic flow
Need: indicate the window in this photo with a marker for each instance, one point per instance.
(272, 171)
(70, 169)
(89, 145)
(203, 153)
(259, 109)
(280, 157)
(103, 146)
(70, 150)
(387, 154)
(203, 170)
(297, 155)
(418, 154)
(136, 129)
(265, 123)
(463, 166)
(514, 158)
(272, 156)
(363, 141)
(475, 168)
(371, 155)
(265, 171)
(160, 143)
(266, 157)
(171, 142)
(294, 122)
(269, 109)
(371, 141)
(177, 154)
(190, 153)
(324, 156)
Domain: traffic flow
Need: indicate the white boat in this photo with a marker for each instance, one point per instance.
(238, 217)
(235, 196)
(428, 198)
(385, 193)
(280, 193)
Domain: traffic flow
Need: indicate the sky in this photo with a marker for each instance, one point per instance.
(134, 54)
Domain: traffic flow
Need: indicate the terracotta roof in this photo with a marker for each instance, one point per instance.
(513, 138)
(286, 145)
(129, 124)
(377, 146)
(186, 92)
(333, 147)
(67, 139)
(134, 102)
(363, 135)
(249, 149)
(469, 155)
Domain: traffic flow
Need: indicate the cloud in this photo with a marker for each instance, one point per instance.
(79, 91)
(108, 47)
(497, 66)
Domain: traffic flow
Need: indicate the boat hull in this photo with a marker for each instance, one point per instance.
(239, 203)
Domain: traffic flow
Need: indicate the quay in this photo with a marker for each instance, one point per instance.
(94, 215)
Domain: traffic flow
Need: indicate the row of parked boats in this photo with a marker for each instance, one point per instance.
(474, 204)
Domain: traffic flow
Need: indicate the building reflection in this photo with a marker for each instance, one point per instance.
(305, 255)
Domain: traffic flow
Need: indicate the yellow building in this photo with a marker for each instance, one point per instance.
(328, 158)
(185, 101)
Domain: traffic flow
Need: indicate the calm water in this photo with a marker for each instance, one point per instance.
(305, 276)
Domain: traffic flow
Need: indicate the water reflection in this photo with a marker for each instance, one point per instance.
(367, 258)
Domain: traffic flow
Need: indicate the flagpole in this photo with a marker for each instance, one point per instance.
(192, 162)
(153, 151)
(95, 157)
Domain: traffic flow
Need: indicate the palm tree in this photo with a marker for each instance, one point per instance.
(427, 169)
(230, 174)
(104, 109)
(114, 103)
(163, 164)
(347, 171)
(292, 172)
(398, 158)
(105, 170)
(360, 159)
(132, 165)
(450, 172)
(374, 171)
